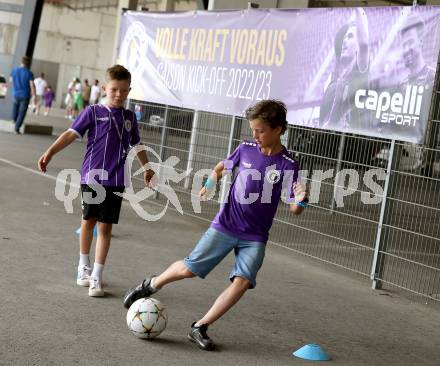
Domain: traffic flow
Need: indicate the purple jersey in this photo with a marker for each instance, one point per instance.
(110, 134)
(48, 96)
(255, 191)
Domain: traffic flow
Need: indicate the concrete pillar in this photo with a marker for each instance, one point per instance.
(167, 5)
(123, 4)
(27, 34)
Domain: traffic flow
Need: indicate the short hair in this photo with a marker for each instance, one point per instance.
(270, 111)
(26, 61)
(118, 72)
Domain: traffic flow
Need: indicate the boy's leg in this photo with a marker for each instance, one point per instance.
(210, 250)
(249, 257)
(175, 272)
(102, 248)
(86, 235)
(103, 242)
(226, 300)
(85, 242)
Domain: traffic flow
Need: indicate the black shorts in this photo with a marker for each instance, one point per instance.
(108, 210)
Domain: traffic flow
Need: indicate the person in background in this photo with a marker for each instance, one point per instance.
(78, 102)
(23, 87)
(95, 93)
(69, 99)
(86, 92)
(40, 87)
(48, 97)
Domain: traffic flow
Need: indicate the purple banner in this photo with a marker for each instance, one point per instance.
(367, 71)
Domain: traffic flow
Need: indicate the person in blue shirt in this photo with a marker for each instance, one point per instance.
(23, 87)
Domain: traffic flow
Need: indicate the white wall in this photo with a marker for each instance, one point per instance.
(9, 23)
(77, 38)
(80, 41)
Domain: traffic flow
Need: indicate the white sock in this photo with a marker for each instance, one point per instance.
(97, 271)
(84, 260)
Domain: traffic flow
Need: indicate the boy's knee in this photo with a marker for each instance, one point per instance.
(184, 271)
(187, 273)
(104, 227)
(90, 223)
(241, 282)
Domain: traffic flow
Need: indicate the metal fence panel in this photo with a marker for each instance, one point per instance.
(408, 255)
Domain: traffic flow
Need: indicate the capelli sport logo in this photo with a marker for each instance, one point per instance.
(400, 109)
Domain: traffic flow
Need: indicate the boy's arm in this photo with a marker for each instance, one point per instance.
(212, 180)
(65, 139)
(143, 160)
(301, 199)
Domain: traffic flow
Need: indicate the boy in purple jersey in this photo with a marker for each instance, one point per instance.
(111, 131)
(264, 168)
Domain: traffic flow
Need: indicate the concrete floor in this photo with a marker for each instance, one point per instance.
(45, 319)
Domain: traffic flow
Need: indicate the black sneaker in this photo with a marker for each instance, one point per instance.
(199, 336)
(142, 290)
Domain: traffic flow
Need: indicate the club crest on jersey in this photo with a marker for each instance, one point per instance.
(127, 125)
(273, 176)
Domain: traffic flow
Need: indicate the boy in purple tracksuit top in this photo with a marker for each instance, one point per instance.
(243, 223)
(111, 131)
(48, 97)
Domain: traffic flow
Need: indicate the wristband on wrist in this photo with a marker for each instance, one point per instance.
(302, 204)
(210, 183)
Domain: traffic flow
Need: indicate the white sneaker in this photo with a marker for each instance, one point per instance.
(95, 287)
(83, 276)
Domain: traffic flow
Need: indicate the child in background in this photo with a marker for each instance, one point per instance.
(49, 96)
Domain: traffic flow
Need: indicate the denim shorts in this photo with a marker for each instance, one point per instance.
(215, 245)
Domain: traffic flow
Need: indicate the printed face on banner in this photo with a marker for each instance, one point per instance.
(411, 46)
(349, 45)
(365, 71)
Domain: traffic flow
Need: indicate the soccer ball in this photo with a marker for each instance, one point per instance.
(147, 318)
